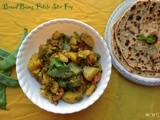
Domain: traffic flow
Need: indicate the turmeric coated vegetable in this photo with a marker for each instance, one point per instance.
(72, 97)
(74, 81)
(90, 89)
(66, 67)
(90, 72)
(87, 39)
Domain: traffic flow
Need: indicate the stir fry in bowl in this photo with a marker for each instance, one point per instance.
(66, 67)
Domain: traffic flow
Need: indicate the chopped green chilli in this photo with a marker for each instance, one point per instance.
(150, 39)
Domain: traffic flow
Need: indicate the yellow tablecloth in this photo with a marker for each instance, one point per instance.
(122, 100)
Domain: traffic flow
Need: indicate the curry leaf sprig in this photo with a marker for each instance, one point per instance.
(150, 39)
(7, 61)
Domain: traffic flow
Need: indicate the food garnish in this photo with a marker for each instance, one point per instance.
(150, 39)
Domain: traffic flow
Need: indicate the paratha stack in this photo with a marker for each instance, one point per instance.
(142, 19)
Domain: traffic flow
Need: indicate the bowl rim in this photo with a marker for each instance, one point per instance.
(54, 21)
(145, 81)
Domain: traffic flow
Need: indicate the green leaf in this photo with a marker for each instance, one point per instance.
(151, 39)
(141, 37)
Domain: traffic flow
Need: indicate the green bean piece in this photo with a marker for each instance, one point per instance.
(74, 68)
(74, 81)
(62, 83)
(3, 54)
(7, 72)
(60, 72)
(10, 61)
(3, 102)
(56, 63)
(8, 81)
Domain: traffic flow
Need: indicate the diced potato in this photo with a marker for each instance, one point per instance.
(35, 73)
(62, 57)
(77, 36)
(56, 35)
(90, 89)
(72, 56)
(74, 47)
(92, 57)
(87, 39)
(55, 87)
(73, 41)
(83, 87)
(44, 91)
(42, 50)
(52, 98)
(84, 53)
(45, 79)
(34, 63)
(72, 97)
(90, 72)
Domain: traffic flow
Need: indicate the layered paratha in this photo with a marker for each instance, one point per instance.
(137, 56)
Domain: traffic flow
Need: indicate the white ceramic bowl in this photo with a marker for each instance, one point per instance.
(130, 76)
(30, 46)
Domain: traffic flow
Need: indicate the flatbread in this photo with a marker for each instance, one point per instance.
(116, 51)
(139, 57)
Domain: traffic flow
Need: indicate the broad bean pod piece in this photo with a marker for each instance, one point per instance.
(3, 53)
(10, 60)
(8, 81)
(3, 102)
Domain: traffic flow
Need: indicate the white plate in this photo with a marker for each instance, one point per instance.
(132, 77)
(30, 46)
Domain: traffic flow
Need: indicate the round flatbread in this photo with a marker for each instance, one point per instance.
(116, 51)
(142, 18)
